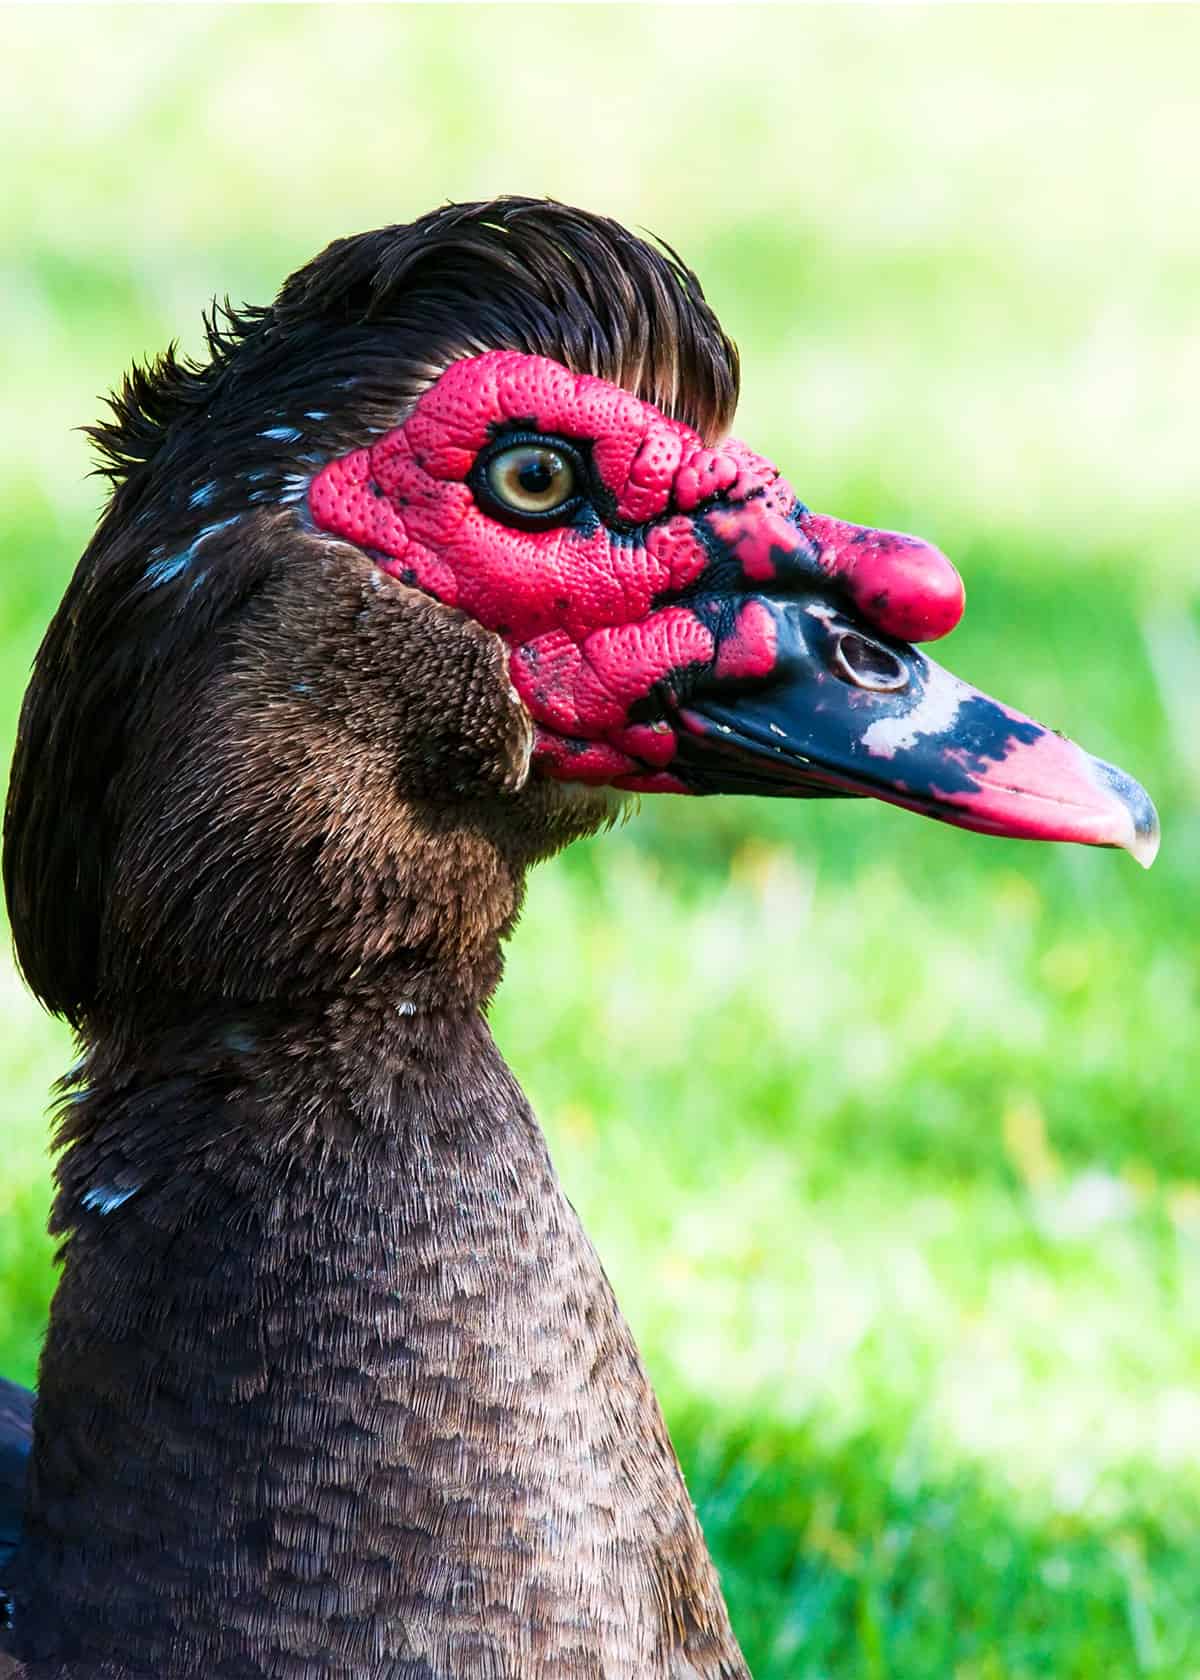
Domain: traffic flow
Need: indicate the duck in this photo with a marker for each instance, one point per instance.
(415, 576)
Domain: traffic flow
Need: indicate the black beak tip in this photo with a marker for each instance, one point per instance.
(1142, 813)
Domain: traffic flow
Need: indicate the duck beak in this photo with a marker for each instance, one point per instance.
(844, 710)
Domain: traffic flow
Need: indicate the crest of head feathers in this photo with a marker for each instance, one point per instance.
(397, 305)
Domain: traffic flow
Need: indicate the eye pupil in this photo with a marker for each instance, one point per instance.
(535, 475)
(531, 478)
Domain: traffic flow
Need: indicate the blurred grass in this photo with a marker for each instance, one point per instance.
(887, 1133)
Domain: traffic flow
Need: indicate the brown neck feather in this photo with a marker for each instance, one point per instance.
(341, 1387)
(334, 1383)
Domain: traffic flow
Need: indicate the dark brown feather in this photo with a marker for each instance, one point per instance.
(334, 1382)
(16, 1432)
(436, 1454)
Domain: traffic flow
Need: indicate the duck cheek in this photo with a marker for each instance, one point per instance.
(588, 688)
(373, 667)
(585, 696)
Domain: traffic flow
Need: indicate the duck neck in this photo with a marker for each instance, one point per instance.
(334, 1380)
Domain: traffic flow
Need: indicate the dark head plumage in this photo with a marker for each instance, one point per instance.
(512, 273)
(349, 344)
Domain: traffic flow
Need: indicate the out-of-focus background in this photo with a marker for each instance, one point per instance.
(887, 1133)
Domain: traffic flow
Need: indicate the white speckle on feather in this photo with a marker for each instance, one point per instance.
(166, 571)
(169, 568)
(406, 1008)
(204, 495)
(281, 434)
(106, 1198)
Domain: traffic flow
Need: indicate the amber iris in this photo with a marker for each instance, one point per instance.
(531, 478)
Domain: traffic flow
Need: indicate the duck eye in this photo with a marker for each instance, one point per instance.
(531, 478)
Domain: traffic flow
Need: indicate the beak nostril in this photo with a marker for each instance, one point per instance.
(859, 660)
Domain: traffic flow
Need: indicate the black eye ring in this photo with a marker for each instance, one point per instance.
(481, 480)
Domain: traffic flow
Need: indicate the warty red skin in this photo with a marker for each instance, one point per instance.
(587, 609)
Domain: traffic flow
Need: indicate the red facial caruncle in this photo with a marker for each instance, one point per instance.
(677, 620)
(596, 610)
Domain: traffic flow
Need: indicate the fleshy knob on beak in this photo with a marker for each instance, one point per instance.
(898, 584)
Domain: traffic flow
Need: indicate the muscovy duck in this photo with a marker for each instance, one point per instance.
(398, 592)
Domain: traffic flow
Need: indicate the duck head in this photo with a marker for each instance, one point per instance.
(677, 621)
(423, 568)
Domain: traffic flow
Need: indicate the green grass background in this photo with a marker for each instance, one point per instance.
(887, 1133)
